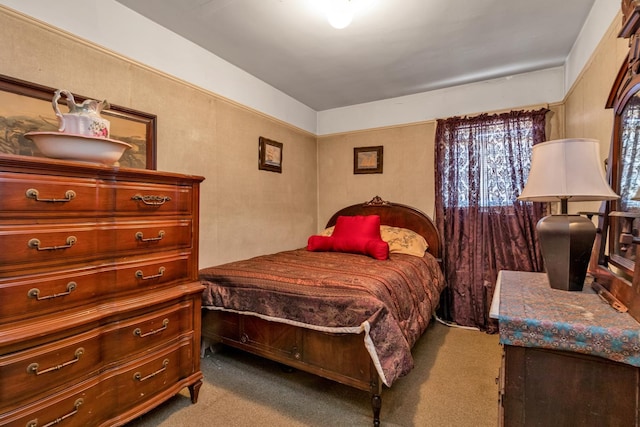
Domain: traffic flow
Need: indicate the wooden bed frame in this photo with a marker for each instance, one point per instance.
(338, 357)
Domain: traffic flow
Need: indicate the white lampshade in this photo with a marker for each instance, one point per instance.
(567, 169)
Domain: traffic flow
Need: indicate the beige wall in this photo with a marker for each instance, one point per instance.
(586, 115)
(244, 211)
(407, 168)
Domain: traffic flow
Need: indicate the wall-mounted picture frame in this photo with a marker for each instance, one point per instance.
(269, 155)
(368, 159)
(26, 107)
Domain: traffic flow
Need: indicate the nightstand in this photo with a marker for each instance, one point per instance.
(569, 358)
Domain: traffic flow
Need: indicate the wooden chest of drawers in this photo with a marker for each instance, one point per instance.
(569, 358)
(99, 291)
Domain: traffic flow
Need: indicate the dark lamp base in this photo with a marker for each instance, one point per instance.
(566, 242)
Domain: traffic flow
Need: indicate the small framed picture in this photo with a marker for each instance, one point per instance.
(367, 159)
(269, 155)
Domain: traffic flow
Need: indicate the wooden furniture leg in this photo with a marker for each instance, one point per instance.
(194, 391)
(376, 401)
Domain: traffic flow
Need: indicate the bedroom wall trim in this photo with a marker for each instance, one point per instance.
(603, 15)
(514, 91)
(549, 105)
(291, 121)
(611, 32)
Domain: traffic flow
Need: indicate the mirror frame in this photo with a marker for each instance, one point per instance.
(611, 271)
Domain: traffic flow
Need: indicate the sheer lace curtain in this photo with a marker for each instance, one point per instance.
(482, 164)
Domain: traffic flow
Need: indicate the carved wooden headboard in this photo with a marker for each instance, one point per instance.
(396, 215)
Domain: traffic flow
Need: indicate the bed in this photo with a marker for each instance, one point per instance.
(345, 316)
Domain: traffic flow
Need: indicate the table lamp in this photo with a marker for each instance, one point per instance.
(563, 170)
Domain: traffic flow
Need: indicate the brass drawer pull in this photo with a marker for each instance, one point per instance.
(35, 243)
(33, 368)
(152, 200)
(138, 332)
(32, 193)
(139, 236)
(35, 292)
(140, 274)
(138, 376)
(76, 405)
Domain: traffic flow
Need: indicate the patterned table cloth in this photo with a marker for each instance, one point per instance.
(532, 314)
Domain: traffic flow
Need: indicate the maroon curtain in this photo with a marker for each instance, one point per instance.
(482, 164)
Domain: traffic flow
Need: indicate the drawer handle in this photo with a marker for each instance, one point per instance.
(138, 376)
(296, 354)
(138, 332)
(140, 274)
(35, 243)
(139, 236)
(152, 200)
(32, 193)
(76, 405)
(35, 292)
(33, 368)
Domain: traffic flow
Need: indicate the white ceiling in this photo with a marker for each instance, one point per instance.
(394, 48)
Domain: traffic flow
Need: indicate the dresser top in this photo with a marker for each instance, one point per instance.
(532, 314)
(47, 166)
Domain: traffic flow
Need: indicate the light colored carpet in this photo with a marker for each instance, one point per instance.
(453, 384)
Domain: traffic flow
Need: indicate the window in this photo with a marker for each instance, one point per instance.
(483, 159)
(482, 164)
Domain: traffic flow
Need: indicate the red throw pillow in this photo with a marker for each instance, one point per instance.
(320, 243)
(357, 226)
(376, 248)
(356, 234)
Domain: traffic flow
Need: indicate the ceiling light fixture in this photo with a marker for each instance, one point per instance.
(339, 13)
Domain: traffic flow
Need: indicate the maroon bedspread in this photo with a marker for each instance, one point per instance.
(392, 301)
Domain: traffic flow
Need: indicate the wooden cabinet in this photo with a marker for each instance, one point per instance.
(559, 388)
(99, 291)
(569, 358)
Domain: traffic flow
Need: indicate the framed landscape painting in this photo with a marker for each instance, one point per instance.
(269, 155)
(367, 159)
(26, 107)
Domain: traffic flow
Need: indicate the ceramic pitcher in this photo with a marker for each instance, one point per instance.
(82, 119)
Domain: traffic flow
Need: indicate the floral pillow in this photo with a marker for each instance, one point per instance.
(327, 231)
(400, 240)
(403, 241)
